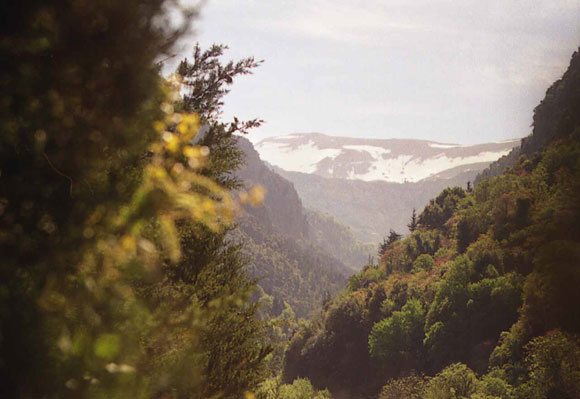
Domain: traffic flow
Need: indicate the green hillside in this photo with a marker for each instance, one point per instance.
(482, 299)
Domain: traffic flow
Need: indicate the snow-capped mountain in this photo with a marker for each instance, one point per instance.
(390, 160)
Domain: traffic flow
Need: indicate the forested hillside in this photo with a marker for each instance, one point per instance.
(336, 238)
(296, 256)
(481, 299)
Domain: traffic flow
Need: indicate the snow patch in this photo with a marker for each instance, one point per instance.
(386, 164)
(405, 168)
(286, 137)
(437, 145)
(300, 159)
(374, 151)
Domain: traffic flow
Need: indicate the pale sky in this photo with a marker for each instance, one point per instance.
(465, 71)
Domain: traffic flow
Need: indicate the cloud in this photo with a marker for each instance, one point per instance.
(395, 65)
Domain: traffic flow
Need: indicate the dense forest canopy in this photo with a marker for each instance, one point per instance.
(124, 273)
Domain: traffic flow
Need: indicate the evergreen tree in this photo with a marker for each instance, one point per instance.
(211, 268)
(413, 223)
(205, 81)
(387, 242)
(382, 247)
(393, 237)
(116, 280)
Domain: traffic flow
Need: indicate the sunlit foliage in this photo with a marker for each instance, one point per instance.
(101, 174)
(300, 388)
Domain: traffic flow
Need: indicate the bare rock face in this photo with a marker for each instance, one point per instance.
(282, 209)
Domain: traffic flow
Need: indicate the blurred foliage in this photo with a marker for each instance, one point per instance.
(300, 388)
(116, 279)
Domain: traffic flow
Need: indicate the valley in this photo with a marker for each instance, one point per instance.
(372, 185)
(160, 242)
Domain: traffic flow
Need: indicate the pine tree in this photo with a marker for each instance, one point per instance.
(387, 242)
(393, 237)
(383, 247)
(413, 223)
(212, 268)
(115, 279)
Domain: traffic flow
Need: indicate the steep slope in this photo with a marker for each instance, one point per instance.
(282, 210)
(480, 301)
(392, 160)
(336, 238)
(280, 240)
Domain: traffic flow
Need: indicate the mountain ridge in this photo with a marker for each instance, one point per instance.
(370, 159)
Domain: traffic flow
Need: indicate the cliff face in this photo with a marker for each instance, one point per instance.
(555, 117)
(282, 210)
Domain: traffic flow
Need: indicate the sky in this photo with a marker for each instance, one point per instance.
(465, 71)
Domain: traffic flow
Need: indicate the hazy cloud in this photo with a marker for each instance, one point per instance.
(461, 71)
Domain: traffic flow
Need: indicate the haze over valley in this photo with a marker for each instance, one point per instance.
(372, 185)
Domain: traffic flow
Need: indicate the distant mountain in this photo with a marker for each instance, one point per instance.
(297, 256)
(392, 160)
(372, 185)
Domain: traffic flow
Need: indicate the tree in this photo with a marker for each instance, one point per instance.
(396, 340)
(440, 209)
(80, 92)
(413, 223)
(387, 242)
(411, 387)
(108, 192)
(211, 268)
(455, 381)
(301, 388)
(382, 248)
(393, 237)
(554, 365)
(206, 82)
